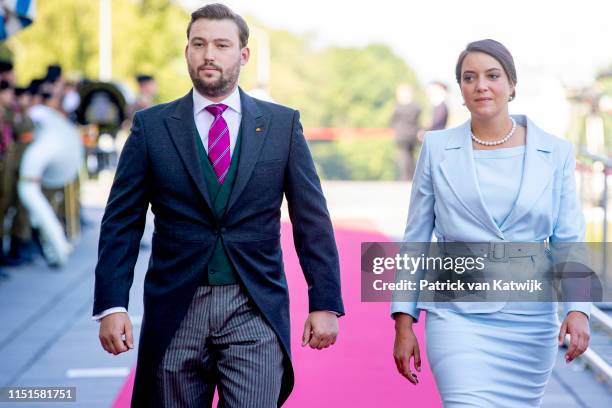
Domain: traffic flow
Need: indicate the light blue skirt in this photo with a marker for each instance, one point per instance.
(491, 359)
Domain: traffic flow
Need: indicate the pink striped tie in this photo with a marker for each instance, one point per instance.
(219, 142)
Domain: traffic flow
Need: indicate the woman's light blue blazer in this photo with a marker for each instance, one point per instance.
(447, 201)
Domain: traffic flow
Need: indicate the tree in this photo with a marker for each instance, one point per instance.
(336, 86)
(333, 87)
(148, 37)
(65, 32)
(360, 86)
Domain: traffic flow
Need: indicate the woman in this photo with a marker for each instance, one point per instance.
(495, 178)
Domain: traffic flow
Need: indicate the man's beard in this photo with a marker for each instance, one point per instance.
(219, 87)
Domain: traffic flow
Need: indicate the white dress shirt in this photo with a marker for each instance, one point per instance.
(232, 115)
(203, 119)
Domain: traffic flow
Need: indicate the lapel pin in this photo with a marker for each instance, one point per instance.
(258, 129)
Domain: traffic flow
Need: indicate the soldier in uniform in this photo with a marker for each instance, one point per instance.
(6, 72)
(147, 93)
(16, 134)
(405, 123)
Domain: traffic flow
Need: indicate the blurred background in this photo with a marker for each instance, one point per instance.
(368, 78)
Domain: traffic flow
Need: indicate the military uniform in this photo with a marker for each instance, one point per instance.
(17, 131)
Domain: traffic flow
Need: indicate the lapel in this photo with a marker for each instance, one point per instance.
(181, 126)
(254, 127)
(537, 171)
(460, 173)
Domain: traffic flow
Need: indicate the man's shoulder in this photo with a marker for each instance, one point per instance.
(272, 107)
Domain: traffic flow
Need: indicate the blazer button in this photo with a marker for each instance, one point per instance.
(212, 271)
(216, 232)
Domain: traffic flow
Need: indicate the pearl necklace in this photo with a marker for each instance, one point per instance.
(496, 142)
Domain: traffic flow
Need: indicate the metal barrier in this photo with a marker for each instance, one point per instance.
(591, 358)
(592, 167)
(602, 318)
(589, 165)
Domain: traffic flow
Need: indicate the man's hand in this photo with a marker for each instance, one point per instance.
(116, 333)
(406, 347)
(576, 324)
(320, 330)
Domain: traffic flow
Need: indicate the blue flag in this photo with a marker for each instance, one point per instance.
(15, 15)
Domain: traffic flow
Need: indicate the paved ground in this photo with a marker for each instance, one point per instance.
(48, 339)
(47, 329)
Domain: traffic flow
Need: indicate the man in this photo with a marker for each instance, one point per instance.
(147, 93)
(6, 141)
(405, 123)
(6, 72)
(214, 166)
(50, 162)
(437, 93)
(17, 133)
(147, 90)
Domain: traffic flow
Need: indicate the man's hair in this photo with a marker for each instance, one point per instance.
(5, 85)
(219, 11)
(441, 85)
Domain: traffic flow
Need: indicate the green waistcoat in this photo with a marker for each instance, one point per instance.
(220, 270)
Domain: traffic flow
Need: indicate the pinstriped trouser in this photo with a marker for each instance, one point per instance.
(223, 341)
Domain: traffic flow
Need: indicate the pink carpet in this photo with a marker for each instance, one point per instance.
(358, 371)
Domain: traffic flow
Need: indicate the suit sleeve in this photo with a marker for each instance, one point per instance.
(419, 225)
(567, 241)
(123, 224)
(312, 228)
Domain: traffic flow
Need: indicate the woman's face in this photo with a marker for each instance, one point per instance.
(484, 85)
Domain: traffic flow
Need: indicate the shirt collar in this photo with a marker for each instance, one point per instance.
(232, 101)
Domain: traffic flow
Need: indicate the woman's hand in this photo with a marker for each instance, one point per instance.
(576, 324)
(406, 347)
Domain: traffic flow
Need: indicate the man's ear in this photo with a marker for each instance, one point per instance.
(245, 54)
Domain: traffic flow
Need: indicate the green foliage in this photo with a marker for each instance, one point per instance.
(333, 87)
(594, 231)
(66, 32)
(148, 37)
(154, 45)
(355, 159)
(605, 85)
(358, 89)
(5, 52)
(297, 75)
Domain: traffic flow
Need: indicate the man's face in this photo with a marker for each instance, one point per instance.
(214, 57)
(148, 88)
(24, 100)
(6, 97)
